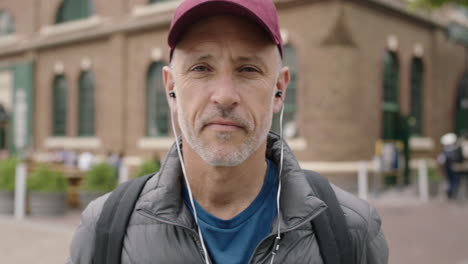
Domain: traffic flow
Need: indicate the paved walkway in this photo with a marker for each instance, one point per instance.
(36, 240)
(424, 233)
(417, 233)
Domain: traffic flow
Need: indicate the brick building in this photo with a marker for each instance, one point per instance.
(85, 75)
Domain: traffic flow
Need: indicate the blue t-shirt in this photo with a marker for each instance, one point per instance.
(234, 240)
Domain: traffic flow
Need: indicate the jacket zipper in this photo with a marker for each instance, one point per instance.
(198, 243)
(273, 235)
(191, 231)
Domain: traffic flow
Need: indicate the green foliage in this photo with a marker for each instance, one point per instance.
(147, 167)
(7, 174)
(433, 174)
(101, 177)
(43, 179)
(432, 4)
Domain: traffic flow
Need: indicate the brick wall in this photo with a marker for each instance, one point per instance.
(339, 92)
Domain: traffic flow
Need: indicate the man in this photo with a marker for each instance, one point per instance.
(216, 200)
(451, 154)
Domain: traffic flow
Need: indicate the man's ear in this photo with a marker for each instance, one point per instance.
(169, 86)
(281, 85)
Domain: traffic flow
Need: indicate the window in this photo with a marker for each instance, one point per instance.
(391, 107)
(70, 10)
(461, 114)
(462, 10)
(7, 25)
(417, 97)
(289, 118)
(3, 127)
(157, 1)
(59, 112)
(86, 104)
(157, 109)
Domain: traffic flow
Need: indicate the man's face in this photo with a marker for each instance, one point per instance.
(225, 72)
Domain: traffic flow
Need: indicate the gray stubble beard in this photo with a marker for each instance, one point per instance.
(224, 156)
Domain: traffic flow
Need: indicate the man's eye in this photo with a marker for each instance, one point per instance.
(249, 69)
(200, 68)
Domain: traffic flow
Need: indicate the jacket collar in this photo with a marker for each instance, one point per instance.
(298, 202)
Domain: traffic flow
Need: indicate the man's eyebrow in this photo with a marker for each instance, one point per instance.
(203, 57)
(249, 58)
(208, 57)
(196, 58)
(253, 59)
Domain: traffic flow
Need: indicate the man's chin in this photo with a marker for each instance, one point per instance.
(224, 155)
(221, 140)
(224, 137)
(223, 161)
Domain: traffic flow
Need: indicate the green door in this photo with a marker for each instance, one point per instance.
(461, 114)
(417, 107)
(390, 107)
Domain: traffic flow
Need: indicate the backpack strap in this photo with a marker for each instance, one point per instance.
(115, 216)
(332, 231)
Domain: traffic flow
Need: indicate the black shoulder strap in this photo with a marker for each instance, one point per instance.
(332, 231)
(113, 221)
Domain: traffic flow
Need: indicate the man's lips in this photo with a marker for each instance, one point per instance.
(223, 124)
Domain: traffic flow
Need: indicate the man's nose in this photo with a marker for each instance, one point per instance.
(225, 92)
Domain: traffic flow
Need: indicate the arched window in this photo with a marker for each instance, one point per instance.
(70, 10)
(157, 109)
(7, 25)
(417, 97)
(461, 113)
(3, 127)
(289, 118)
(59, 105)
(86, 111)
(391, 106)
(157, 1)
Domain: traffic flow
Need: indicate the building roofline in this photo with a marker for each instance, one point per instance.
(392, 6)
(402, 10)
(133, 24)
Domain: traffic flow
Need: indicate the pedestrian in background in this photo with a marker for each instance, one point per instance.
(450, 155)
(85, 161)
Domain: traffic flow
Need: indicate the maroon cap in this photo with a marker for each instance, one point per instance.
(262, 12)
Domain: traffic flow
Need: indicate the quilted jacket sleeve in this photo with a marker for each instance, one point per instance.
(365, 226)
(82, 245)
(376, 251)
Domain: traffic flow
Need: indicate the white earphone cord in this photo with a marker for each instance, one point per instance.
(278, 195)
(202, 241)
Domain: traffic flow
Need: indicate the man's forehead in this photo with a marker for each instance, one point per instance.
(224, 27)
(220, 31)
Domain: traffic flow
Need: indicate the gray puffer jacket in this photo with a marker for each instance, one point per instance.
(162, 230)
